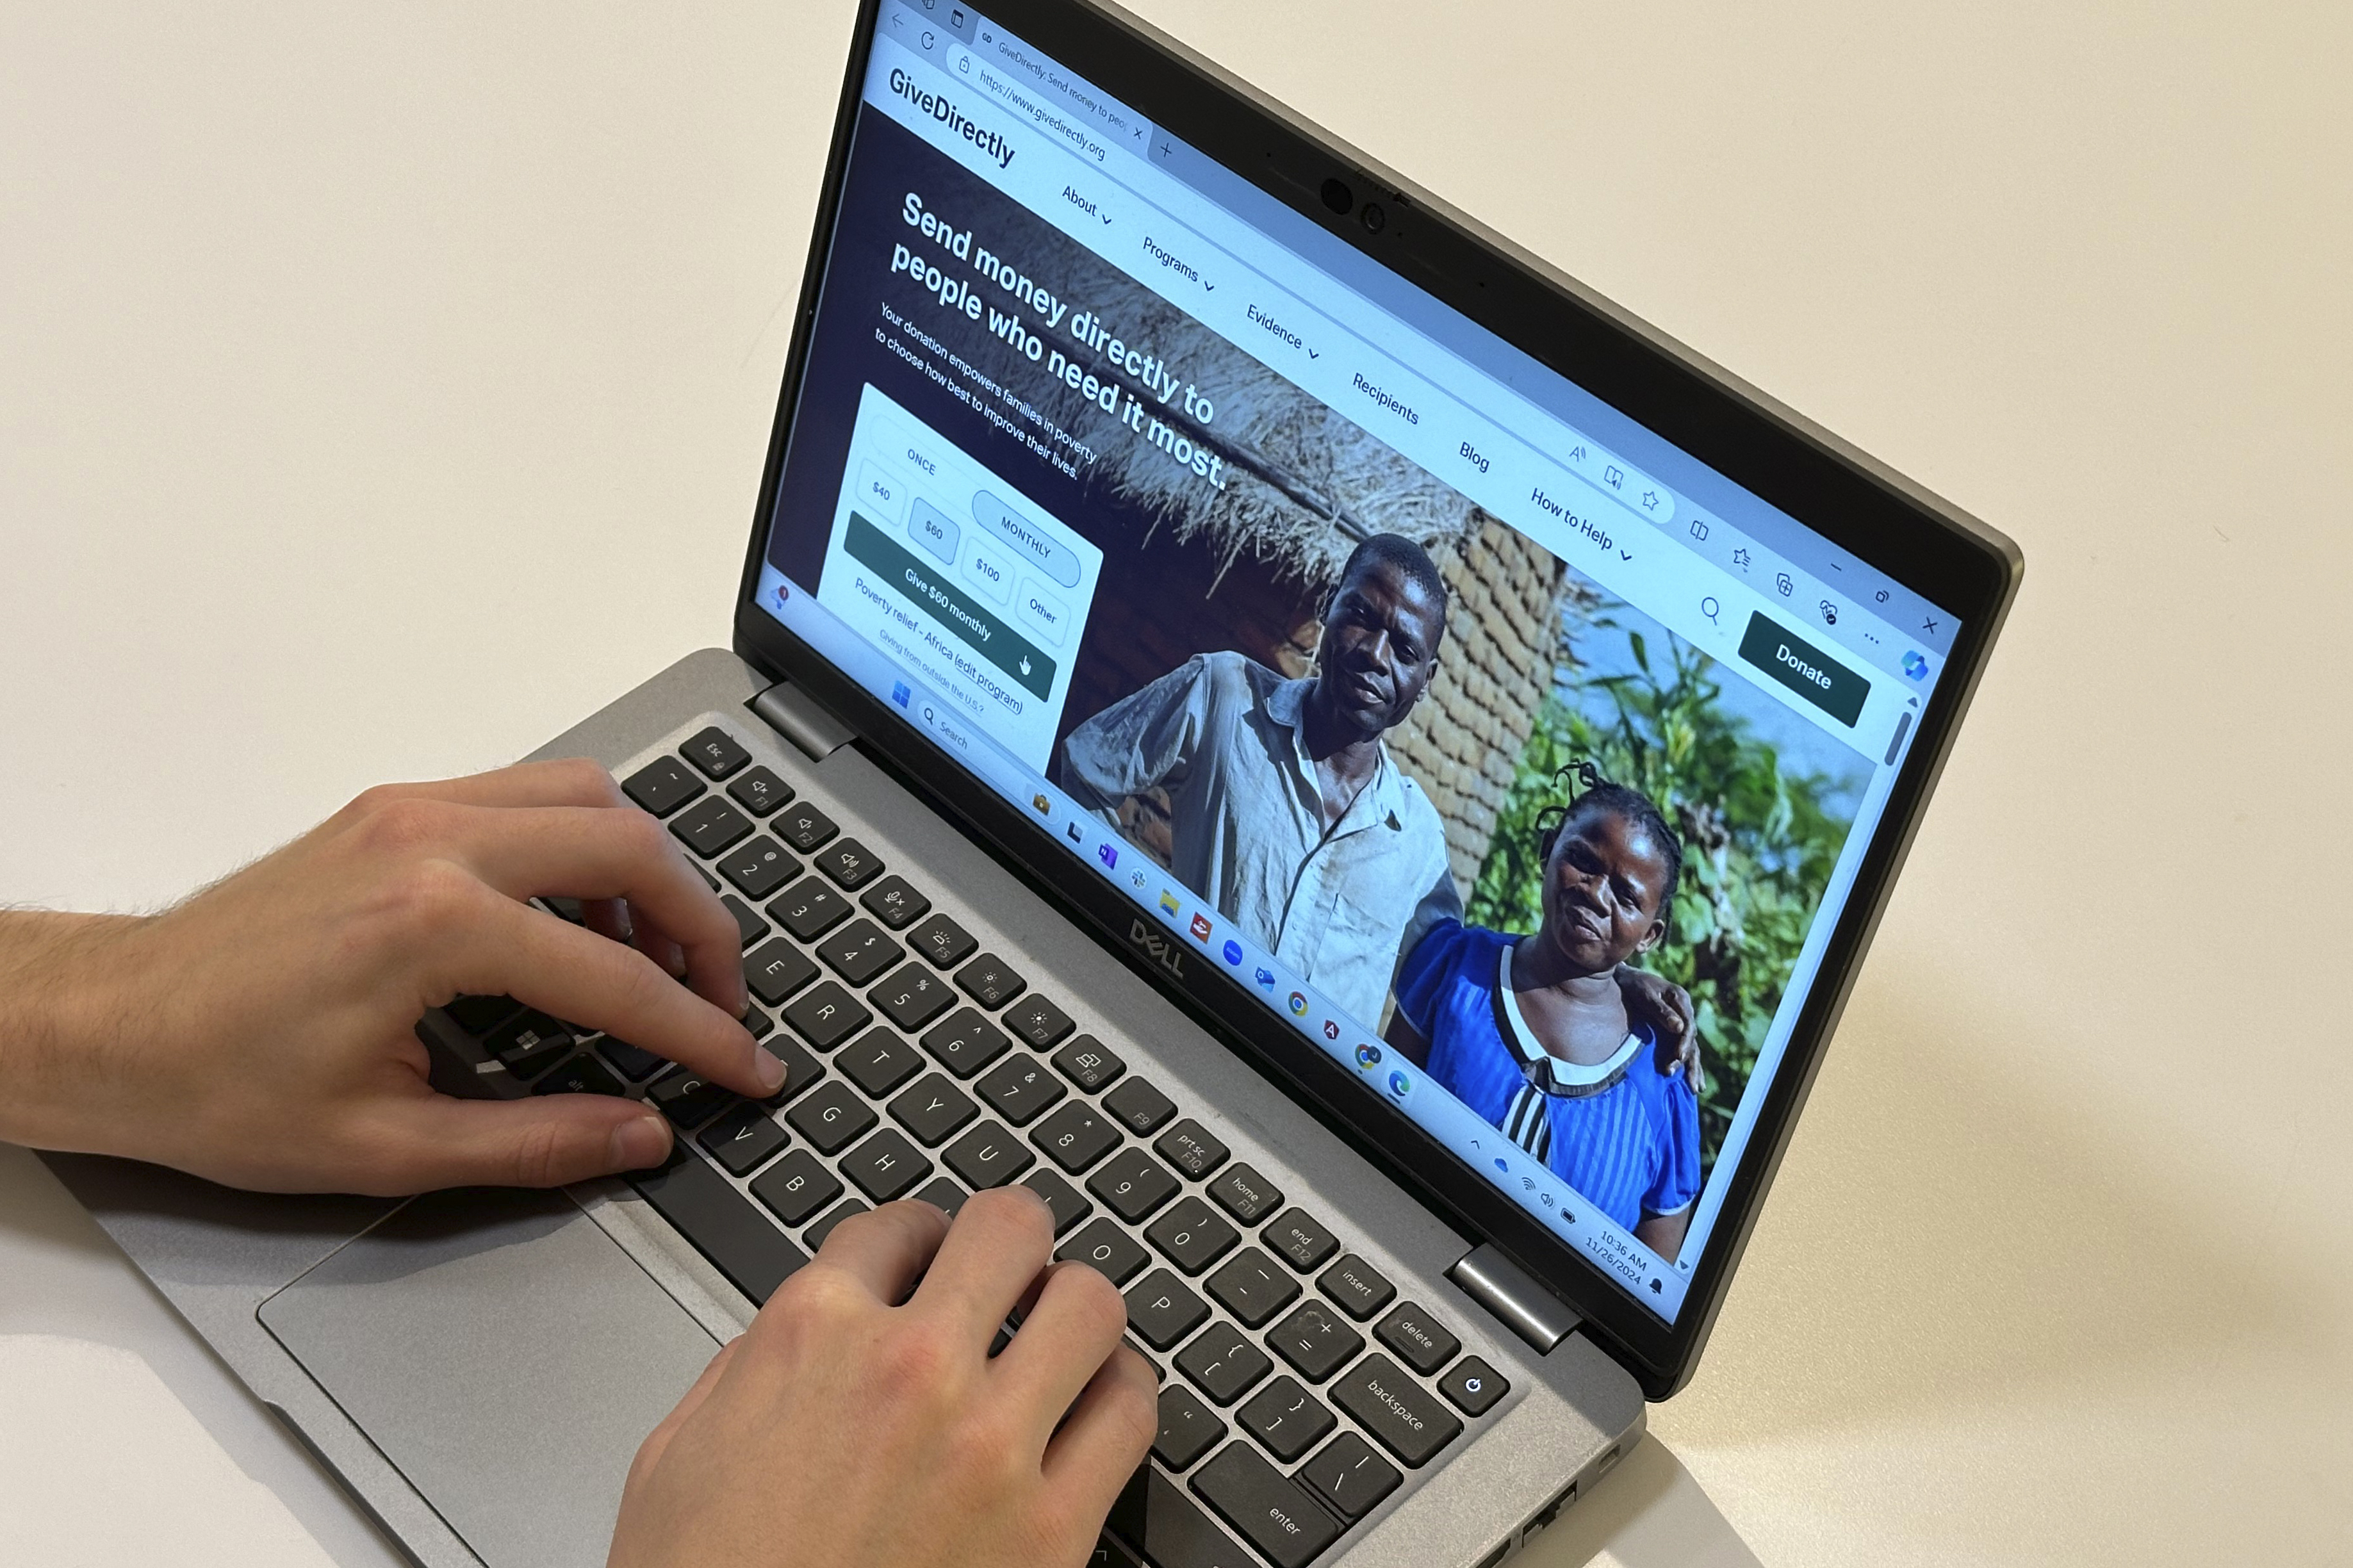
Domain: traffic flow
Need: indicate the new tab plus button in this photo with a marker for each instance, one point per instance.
(1805, 670)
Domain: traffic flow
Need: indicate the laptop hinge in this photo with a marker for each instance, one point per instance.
(795, 715)
(1530, 1310)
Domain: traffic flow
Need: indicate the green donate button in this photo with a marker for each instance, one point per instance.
(954, 608)
(1805, 670)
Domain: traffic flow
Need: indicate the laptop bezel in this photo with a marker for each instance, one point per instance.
(1882, 520)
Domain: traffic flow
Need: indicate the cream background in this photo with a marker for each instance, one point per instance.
(382, 387)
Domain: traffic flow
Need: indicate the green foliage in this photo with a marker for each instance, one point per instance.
(1759, 844)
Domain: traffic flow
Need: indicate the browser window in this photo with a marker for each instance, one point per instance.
(1513, 756)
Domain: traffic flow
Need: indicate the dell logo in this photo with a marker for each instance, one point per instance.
(1165, 952)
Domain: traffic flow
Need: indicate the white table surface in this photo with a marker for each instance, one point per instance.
(384, 387)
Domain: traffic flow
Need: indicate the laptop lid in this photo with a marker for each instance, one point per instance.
(1404, 658)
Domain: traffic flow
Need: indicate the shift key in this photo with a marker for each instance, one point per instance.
(1403, 1417)
(1268, 1507)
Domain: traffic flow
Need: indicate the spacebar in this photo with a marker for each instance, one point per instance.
(743, 1242)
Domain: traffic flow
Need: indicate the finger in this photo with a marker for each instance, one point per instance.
(431, 1141)
(570, 781)
(1110, 1430)
(657, 1443)
(1063, 1342)
(997, 1244)
(501, 946)
(888, 1250)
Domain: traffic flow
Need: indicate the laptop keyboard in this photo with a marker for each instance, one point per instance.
(921, 1066)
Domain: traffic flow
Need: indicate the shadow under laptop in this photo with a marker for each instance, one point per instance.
(1648, 1512)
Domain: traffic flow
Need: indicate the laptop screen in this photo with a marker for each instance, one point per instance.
(1506, 752)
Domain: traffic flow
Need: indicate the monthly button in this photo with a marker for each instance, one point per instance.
(1028, 542)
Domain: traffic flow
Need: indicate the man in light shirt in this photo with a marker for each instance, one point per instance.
(1286, 810)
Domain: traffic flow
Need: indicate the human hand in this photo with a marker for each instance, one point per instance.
(262, 1033)
(861, 1421)
(1667, 1008)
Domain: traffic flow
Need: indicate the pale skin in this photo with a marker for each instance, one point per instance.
(261, 1033)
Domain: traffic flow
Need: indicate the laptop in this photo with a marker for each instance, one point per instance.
(1356, 770)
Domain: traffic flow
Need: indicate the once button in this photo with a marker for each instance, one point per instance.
(1805, 670)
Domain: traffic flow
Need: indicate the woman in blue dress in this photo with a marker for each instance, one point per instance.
(1532, 1032)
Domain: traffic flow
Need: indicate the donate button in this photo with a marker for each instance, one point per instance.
(1805, 670)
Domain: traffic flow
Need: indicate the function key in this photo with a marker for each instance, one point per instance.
(809, 909)
(1192, 1235)
(1357, 1287)
(777, 970)
(913, 996)
(1131, 1185)
(712, 827)
(1473, 1386)
(1253, 1287)
(1161, 1310)
(796, 1187)
(1222, 1364)
(1108, 1250)
(1245, 1194)
(661, 786)
(842, 1211)
(1315, 1342)
(861, 951)
(760, 868)
(584, 1074)
(827, 1015)
(894, 901)
(1139, 1107)
(760, 792)
(1267, 1505)
(689, 1099)
(879, 1062)
(743, 1139)
(1188, 1429)
(1022, 1090)
(850, 863)
(933, 1109)
(1402, 1416)
(991, 980)
(480, 1015)
(1038, 1021)
(966, 1043)
(1421, 1341)
(1350, 1477)
(716, 752)
(886, 1166)
(1302, 1240)
(1086, 1062)
(942, 941)
(1191, 1148)
(1075, 1137)
(1068, 1205)
(830, 1119)
(803, 827)
(988, 1156)
(1287, 1419)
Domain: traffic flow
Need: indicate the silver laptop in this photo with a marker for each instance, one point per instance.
(1358, 772)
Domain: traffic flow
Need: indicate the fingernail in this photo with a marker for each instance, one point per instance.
(768, 1069)
(637, 1144)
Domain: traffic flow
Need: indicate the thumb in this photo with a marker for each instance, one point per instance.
(436, 1140)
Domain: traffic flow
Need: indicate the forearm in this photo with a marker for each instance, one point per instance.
(62, 1010)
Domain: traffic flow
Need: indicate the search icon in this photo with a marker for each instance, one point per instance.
(1710, 608)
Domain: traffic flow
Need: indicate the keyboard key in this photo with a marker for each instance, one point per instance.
(991, 980)
(1314, 1342)
(759, 1024)
(530, 1045)
(716, 752)
(1075, 1137)
(1038, 1022)
(1192, 1235)
(775, 970)
(1419, 1339)
(1349, 1477)
(830, 1118)
(743, 1139)
(802, 1070)
(1191, 1148)
(988, 1156)
(1020, 1089)
(760, 792)
(1287, 1419)
(849, 862)
(1108, 1249)
(749, 926)
(913, 996)
(879, 1062)
(933, 1109)
(946, 1196)
(803, 827)
(1188, 1429)
(826, 1015)
(712, 827)
(966, 1042)
(689, 1100)
(1253, 1287)
(1161, 1310)
(1268, 1507)
(1170, 1528)
(1223, 1363)
(1302, 1242)
(1089, 1063)
(1357, 1287)
(893, 902)
(1132, 1185)
(1403, 1417)
(722, 1225)
(478, 1016)
(1245, 1194)
(859, 952)
(584, 1074)
(815, 1235)
(1139, 1107)
(1068, 1205)
(636, 1063)
(886, 1166)
(943, 941)
(661, 786)
(809, 909)
(795, 1187)
(1474, 1386)
(760, 868)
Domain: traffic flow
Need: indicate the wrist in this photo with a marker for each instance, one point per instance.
(64, 1023)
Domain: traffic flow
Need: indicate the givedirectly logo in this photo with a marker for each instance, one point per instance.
(1164, 953)
(1200, 928)
(1233, 953)
(1369, 1056)
(1915, 667)
(1107, 854)
(1299, 1004)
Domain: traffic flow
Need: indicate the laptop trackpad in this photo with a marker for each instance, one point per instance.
(506, 1356)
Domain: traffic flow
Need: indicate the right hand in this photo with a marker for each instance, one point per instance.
(862, 1422)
